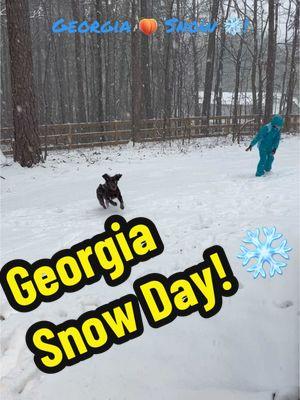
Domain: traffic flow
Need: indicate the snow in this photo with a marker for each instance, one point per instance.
(2, 158)
(198, 195)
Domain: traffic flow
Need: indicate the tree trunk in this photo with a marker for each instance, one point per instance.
(135, 73)
(196, 78)
(286, 47)
(59, 48)
(292, 78)
(100, 80)
(6, 101)
(254, 60)
(81, 111)
(219, 77)
(196, 68)
(145, 65)
(238, 62)
(167, 107)
(27, 149)
(100, 108)
(260, 86)
(196, 86)
(107, 66)
(209, 71)
(270, 71)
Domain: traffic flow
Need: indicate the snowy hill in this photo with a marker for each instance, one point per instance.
(198, 195)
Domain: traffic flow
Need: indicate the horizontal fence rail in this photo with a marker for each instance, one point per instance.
(97, 134)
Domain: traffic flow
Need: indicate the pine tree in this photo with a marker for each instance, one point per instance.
(27, 149)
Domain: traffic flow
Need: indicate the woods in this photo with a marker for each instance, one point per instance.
(90, 77)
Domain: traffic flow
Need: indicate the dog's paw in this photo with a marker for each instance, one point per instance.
(122, 206)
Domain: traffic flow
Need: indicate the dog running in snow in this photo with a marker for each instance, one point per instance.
(109, 190)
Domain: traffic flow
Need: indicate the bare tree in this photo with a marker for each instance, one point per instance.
(238, 62)
(81, 110)
(167, 61)
(219, 76)
(260, 61)
(135, 72)
(292, 78)
(254, 59)
(100, 110)
(270, 61)
(286, 49)
(209, 72)
(145, 66)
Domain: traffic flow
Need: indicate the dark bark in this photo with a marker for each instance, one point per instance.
(292, 78)
(254, 60)
(220, 69)
(260, 65)
(107, 66)
(238, 62)
(210, 57)
(146, 67)
(27, 149)
(167, 61)
(6, 102)
(135, 73)
(270, 71)
(196, 69)
(59, 49)
(286, 48)
(81, 110)
(99, 66)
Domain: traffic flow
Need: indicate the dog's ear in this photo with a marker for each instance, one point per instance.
(106, 177)
(118, 176)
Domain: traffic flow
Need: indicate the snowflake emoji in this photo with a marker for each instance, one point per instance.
(264, 252)
(234, 26)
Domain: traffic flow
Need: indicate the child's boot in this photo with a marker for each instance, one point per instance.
(269, 162)
(261, 165)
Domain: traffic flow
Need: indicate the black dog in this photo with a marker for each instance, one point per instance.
(109, 191)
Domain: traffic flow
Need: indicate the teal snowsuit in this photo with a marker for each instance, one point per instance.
(268, 138)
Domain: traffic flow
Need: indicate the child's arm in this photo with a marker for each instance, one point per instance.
(258, 136)
(256, 139)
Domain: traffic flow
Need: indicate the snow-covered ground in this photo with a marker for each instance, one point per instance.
(198, 195)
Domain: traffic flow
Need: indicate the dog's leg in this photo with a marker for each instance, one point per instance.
(107, 203)
(100, 196)
(120, 198)
(113, 203)
(101, 201)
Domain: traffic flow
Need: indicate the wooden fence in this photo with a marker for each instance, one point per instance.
(95, 134)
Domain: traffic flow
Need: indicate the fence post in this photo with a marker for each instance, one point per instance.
(70, 138)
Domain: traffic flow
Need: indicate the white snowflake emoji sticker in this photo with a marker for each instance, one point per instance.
(264, 252)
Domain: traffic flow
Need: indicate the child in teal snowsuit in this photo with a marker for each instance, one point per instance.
(268, 138)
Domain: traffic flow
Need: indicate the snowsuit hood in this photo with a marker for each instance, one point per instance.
(277, 120)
